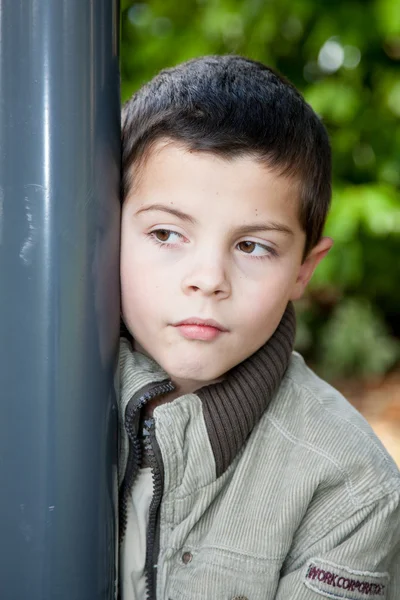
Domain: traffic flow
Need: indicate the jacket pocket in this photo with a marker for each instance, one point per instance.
(222, 575)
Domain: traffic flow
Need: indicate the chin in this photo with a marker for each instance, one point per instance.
(192, 371)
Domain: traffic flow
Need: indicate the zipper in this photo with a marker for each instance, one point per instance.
(132, 469)
(153, 453)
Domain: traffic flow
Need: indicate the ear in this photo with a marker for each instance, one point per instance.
(309, 265)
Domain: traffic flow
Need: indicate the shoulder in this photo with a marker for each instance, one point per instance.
(330, 436)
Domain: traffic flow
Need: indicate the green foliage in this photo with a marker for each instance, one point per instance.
(355, 340)
(344, 56)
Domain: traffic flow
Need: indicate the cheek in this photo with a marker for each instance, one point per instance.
(133, 282)
(141, 291)
(263, 317)
(262, 305)
(263, 294)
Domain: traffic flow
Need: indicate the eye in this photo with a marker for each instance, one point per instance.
(162, 235)
(166, 237)
(247, 247)
(255, 249)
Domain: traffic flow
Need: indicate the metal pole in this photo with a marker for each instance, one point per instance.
(59, 302)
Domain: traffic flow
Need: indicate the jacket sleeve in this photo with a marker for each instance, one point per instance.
(357, 559)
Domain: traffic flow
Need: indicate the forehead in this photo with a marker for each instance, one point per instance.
(198, 180)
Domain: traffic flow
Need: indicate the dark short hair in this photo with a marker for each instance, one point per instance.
(232, 106)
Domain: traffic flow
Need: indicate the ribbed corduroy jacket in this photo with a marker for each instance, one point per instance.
(273, 486)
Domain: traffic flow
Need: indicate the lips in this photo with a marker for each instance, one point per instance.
(204, 330)
(201, 323)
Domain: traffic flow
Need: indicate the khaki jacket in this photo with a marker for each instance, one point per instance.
(307, 506)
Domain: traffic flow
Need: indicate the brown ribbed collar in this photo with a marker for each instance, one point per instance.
(233, 406)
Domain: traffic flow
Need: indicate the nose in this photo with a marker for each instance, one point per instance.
(207, 276)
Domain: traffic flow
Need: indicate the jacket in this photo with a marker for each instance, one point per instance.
(267, 486)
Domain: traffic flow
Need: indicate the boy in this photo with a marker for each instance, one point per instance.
(243, 475)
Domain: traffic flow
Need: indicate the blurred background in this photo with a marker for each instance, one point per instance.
(345, 58)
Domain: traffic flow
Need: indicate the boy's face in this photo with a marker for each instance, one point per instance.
(207, 239)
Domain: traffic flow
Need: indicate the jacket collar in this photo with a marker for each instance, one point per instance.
(231, 407)
(234, 406)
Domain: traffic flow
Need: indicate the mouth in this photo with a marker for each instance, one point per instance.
(200, 329)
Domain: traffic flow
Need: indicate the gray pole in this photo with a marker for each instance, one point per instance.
(59, 304)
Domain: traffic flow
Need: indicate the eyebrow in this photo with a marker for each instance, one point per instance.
(241, 230)
(264, 227)
(171, 211)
